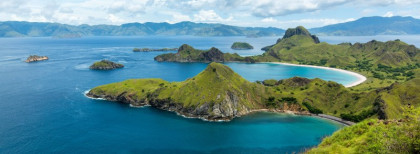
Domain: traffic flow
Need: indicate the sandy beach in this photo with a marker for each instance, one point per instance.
(360, 77)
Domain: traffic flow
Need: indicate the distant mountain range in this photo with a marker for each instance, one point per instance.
(364, 26)
(396, 25)
(38, 29)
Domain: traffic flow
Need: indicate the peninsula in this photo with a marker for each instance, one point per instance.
(34, 58)
(105, 65)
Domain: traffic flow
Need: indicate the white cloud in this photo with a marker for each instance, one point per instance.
(209, 16)
(270, 8)
(270, 19)
(388, 14)
(278, 13)
(178, 17)
(310, 23)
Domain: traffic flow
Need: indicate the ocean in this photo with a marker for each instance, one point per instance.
(43, 108)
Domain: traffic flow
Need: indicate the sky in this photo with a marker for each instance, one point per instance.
(249, 13)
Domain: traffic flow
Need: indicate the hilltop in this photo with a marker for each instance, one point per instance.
(376, 25)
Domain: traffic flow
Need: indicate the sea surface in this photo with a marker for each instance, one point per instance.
(43, 108)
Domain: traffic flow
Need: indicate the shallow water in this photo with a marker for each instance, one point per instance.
(43, 109)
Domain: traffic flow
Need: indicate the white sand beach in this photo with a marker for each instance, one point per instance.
(360, 77)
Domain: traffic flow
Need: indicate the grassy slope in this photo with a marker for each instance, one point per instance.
(210, 86)
(397, 57)
(137, 88)
(376, 136)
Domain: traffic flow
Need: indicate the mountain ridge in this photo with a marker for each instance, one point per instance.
(374, 25)
(44, 29)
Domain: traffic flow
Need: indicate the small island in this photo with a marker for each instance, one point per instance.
(241, 46)
(149, 49)
(34, 58)
(105, 65)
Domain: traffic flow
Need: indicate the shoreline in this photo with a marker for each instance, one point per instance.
(360, 77)
(323, 116)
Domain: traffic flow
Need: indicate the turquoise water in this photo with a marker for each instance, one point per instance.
(43, 109)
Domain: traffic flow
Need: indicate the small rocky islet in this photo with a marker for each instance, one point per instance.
(105, 65)
(241, 46)
(34, 58)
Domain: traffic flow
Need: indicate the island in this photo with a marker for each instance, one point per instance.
(105, 65)
(187, 53)
(148, 49)
(34, 58)
(241, 46)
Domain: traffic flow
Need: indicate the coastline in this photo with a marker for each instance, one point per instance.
(360, 77)
(323, 116)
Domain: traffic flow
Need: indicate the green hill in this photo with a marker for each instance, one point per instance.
(383, 63)
(217, 93)
(376, 136)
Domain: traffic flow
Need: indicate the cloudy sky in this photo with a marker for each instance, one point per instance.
(264, 13)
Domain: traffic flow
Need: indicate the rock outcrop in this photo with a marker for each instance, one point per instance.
(300, 30)
(34, 58)
(105, 65)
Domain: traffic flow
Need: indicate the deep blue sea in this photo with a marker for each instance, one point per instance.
(43, 109)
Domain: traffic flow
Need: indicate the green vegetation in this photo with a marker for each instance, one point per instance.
(187, 53)
(105, 65)
(214, 94)
(376, 136)
(218, 84)
(383, 63)
(241, 46)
